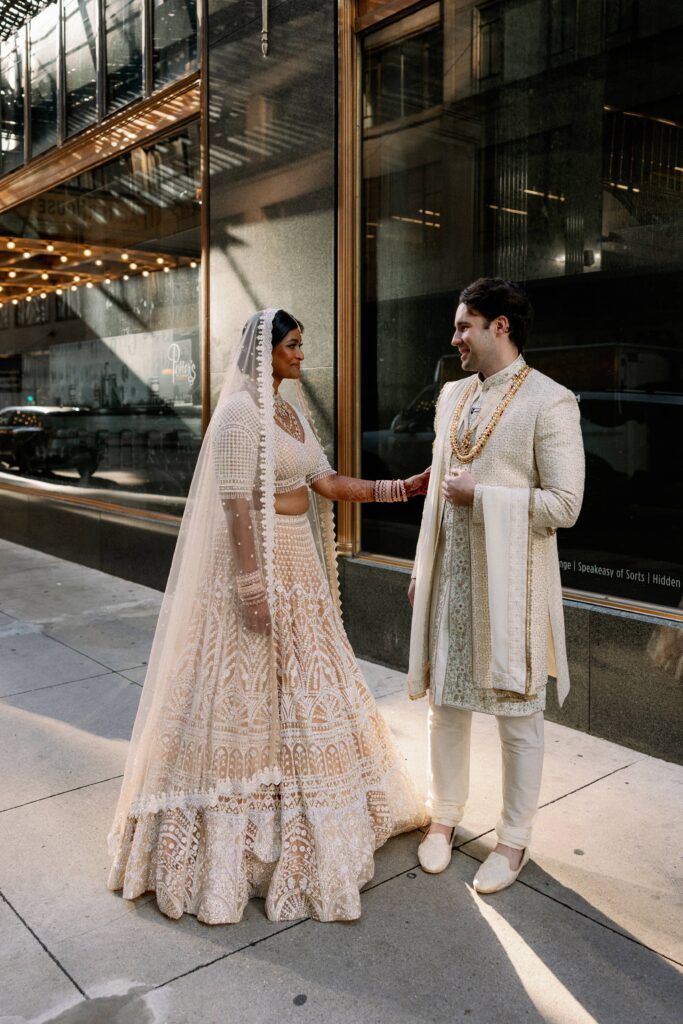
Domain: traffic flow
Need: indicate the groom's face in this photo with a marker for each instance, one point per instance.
(474, 338)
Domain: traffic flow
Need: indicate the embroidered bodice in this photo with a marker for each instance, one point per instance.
(236, 446)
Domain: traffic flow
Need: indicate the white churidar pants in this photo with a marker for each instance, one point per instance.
(521, 740)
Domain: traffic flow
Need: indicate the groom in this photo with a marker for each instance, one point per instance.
(488, 628)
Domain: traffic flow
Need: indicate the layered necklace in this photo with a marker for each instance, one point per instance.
(463, 449)
(286, 418)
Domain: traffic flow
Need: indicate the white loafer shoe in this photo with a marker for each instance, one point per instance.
(496, 874)
(434, 852)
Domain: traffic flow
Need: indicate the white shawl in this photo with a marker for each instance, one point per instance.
(507, 527)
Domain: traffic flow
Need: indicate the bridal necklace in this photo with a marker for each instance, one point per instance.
(286, 418)
(463, 449)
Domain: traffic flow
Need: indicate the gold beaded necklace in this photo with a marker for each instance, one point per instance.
(287, 419)
(463, 450)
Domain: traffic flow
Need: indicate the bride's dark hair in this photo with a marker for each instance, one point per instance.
(283, 323)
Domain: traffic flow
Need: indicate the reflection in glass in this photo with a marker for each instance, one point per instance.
(80, 62)
(582, 199)
(403, 78)
(110, 400)
(12, 102)
(123, 42)
(43, 41)
(175, 39)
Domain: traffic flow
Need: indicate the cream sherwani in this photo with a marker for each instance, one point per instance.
(535, 452)
(488, 624)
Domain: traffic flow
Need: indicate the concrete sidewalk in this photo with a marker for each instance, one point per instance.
(592, 932)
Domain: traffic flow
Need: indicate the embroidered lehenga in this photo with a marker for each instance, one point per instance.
(260, 765)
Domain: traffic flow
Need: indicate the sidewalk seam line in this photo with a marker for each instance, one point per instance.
(43, 946)
(50, 796)
(82, 653)
(578, 789)
(232, 952)
(582, 913)
(64, 682)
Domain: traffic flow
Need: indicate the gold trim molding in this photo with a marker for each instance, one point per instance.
(657, 611)
(347, 275)
(166, 109)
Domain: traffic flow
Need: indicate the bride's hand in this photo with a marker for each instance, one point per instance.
(418, 484)
(257, 618)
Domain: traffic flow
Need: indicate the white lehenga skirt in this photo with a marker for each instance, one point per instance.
(307, 845)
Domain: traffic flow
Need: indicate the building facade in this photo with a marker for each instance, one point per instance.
(170, 166)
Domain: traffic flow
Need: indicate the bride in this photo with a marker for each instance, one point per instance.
(259, 764)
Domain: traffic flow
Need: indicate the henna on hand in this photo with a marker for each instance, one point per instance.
(418, 484)
(344, 488)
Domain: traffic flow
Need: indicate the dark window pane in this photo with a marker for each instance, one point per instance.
(403, 78)
(12, 102)
(123, 32)
(490, 42)
(175, 39)
(43, 36)
(80, 51)
(566, 175)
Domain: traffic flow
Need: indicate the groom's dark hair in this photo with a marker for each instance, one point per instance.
(492, 297)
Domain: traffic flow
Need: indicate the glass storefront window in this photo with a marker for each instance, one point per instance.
(80, 63)
(101, 359)
(12, 102)
(123, 44)
(175, 39)
(43, 44)
(551, 152)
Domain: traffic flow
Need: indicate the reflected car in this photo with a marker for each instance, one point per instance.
(38, 439)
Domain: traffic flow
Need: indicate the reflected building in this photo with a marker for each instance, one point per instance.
(168, 166)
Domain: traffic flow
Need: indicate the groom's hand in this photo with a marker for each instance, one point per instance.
(458, 487)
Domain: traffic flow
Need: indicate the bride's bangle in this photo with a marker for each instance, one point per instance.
(389, 490)
(250, 588)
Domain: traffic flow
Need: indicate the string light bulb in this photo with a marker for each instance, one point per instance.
(160, 260)
(63, 259)
(26, 255)
(11, 245)
(50, 247)
(28, 298)
(77, 278)
(44, 276)
(126, 277)
(43, 295)
(15, 302)
(107, 280)
(124, 256)
(193, 264)
(98, 263)
(74, 287)
(59, 291)
(30, 290)
(167, 270)
(133, 266)
(87, 252)
(145, 273)
(12, 273)
(88, 284)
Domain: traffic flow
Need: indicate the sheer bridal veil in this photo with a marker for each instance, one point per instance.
(208, 721)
